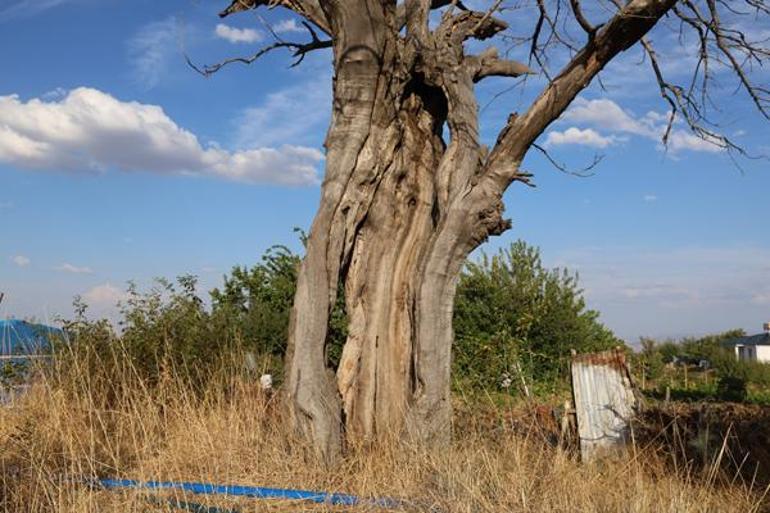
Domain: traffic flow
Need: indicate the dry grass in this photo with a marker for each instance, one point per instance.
(81, 422)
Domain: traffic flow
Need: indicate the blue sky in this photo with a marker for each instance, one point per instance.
(118, 162)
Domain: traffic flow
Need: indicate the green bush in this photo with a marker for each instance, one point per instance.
(736, 380)
(514, 318)
(731, 388)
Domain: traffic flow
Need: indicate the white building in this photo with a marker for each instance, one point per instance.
(755, 348)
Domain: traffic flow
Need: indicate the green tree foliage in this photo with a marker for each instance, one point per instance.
(651, 359)
(736, 380)
(515, 317)
(254, 304)
(169, 326)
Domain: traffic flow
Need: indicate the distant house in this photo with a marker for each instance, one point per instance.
(754, 348)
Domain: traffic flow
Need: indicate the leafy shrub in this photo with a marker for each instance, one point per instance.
(514, 317)
(731, 388)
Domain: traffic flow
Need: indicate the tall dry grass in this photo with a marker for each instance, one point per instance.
(90, 417)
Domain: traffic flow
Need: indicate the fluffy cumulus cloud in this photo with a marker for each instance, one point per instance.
(573, 135)
(73, 269)
(236, 35)
(607, 123)
(103, 296)
(90, 130)
(607, 115)
(287, 25)
(21, 261)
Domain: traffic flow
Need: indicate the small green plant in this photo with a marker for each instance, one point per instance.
(732, 388)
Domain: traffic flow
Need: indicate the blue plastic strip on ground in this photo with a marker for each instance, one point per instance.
(256, 492)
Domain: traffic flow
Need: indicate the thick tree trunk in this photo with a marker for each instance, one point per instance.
(401, 209)
(387, 230)
(379, 238)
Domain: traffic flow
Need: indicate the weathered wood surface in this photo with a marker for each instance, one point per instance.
(604, 403)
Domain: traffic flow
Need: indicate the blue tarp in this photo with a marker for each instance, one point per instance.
(25, 338)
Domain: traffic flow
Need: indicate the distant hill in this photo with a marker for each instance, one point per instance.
(22, 337)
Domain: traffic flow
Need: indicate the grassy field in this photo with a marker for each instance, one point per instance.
(84, 421)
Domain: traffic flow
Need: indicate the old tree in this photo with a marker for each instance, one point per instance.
(409, 189)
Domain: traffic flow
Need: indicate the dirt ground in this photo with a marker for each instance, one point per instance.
(734, 437)
(730, 440)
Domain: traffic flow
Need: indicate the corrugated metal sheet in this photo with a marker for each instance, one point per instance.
(604, 402)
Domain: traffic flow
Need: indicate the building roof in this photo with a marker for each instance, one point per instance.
(22, 337)
(763, 339)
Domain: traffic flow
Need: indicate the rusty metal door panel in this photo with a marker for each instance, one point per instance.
(604, 402)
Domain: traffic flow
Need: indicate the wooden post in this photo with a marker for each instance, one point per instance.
(524, 386)
(566, 423)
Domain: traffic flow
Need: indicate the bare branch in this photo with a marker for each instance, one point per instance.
(434, 4)
(586, 172)
(625, 29)
(416, 12)
(299, 53)
(309, 9)
(488, 64)
(581, 19)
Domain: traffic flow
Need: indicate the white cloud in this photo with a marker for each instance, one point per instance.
(650, 198)
(21, 261)
(681, 140)
(91, 130)
(105, 295)
(236, 35)
(74, 269)
(574, 135)
(27, 8)
(287, 25)
(151, 49)
(296, 113)
(606, 115)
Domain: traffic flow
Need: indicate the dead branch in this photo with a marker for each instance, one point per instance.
(488, 64)
(586, 172)
(625, 29)
(300, 50)
(311, 10)
(581, 19)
